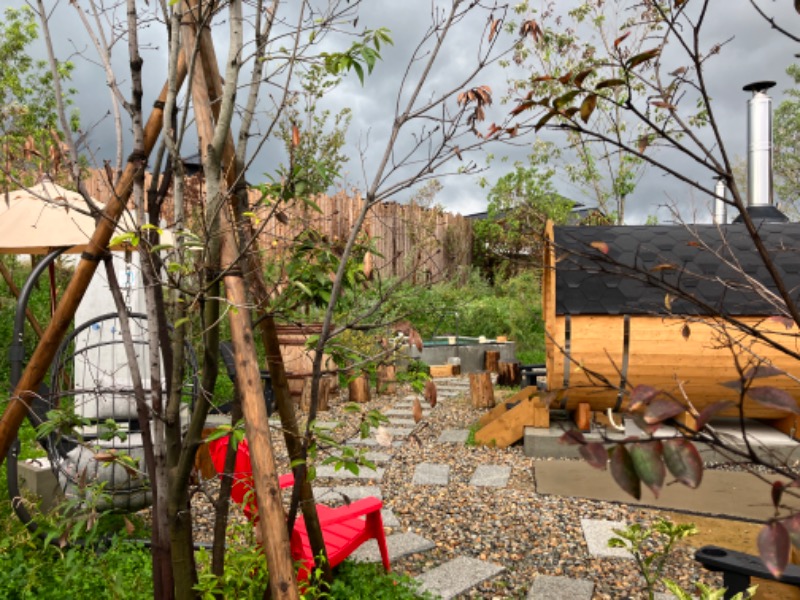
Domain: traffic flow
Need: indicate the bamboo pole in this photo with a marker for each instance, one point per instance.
(37, 367)
(272, 524)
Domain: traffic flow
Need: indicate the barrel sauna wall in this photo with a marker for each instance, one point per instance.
(657, 354)
(298, 360)
(600, 319)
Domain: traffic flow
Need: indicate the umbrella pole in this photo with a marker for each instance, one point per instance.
(37, 367)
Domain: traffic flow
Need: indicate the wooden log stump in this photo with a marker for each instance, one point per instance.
(509, 373)
(481, 389)
(492, 358)
(325, 388)
(387, 379)
(358, 389)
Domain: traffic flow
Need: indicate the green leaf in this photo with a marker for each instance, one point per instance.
(359, 71)
(624, 473)
(650, 469)
(683, 461)
(608, 83)
(638, 59)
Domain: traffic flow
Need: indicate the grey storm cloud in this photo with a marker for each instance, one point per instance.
(753, 51)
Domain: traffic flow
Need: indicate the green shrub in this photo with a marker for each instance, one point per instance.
(361, 581)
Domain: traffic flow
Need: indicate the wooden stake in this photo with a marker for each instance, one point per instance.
(491, 361)
(358, 389)
(50, 341)
(481, 389)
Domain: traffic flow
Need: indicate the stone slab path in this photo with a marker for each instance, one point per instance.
(462, 573)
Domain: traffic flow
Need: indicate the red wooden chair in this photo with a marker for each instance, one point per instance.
(344, 528)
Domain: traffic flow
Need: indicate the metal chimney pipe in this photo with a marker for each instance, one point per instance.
(759, 144)
(720, 208)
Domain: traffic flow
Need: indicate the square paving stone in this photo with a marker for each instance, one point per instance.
(335, 495)
(547, 587)
(431, 474)
(490, 476)
(597, 532)
(399, 545)
(389, 518)
(400, 422)
(453, 436)
(364, 473)
(457, 576)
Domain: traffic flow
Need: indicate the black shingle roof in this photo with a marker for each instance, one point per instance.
(644, 262)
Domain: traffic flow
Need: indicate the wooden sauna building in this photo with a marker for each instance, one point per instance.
(673, 307)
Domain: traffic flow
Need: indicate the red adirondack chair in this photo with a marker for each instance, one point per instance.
(344, 528)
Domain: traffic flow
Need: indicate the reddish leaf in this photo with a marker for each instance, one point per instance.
(661, 409)
(417, 411)
(587, 107)
(649, 465)
(581, 76)
(777, 493)
(642, 394)
(600, 246)
(621, 38)
(792, 524)
(639, 421)
(295, 136)
(624, 473)
(683, 461)
(785, 321)
(573, 437)
(686, 332)
(663, 267)
(762, 371)
(774, 398)
(638, 59)
(609, 83)
(493, 29)
(595, 454)
(712, 409)
(774, 546)
(565, 78)
(431, 393)
(644, 142)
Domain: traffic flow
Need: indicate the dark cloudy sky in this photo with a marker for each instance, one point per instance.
(755, 53)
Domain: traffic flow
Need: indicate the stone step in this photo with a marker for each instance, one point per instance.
(398, 544)
(597, 532)
(404, 412)
(457, 576)
(490, 476)
(548, 587)
(431, 474)
(401, 422)
(364, 473)
(336, 495)
(453, 436)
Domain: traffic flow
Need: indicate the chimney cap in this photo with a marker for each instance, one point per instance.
(758, 86)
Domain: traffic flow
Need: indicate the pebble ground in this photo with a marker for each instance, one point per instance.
(528, 534)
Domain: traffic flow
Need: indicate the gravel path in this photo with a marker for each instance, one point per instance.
(512, 526)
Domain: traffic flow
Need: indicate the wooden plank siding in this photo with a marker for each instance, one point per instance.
(425, 245)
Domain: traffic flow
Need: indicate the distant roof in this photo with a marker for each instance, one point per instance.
(642, 263)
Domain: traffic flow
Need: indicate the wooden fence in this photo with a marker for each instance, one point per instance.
(423, 244)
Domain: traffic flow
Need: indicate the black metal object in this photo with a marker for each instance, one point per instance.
(737, 568)
(531, 372)
(226, 353)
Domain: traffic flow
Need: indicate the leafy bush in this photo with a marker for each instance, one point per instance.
(360, 581)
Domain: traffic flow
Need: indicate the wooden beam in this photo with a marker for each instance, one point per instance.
(48, 345)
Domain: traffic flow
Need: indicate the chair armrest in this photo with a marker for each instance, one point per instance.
(286, 480)
(353, 511)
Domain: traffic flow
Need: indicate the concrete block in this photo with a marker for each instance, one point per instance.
(457, 576)
(431, 474)
(548, 587)
(36, 477)
(490, 476)
(453, 436)
(398, 544)
(597, 532)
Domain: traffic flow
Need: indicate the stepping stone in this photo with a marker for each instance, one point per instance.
(457, 576)
(453, 436)
(389, 518)
(364, 473)
(371, 441)
(401, 422)
(399, 412)
(490, 476)
(431, 474)
(548, 587)
(335, 495)
(400, 432)
(597, 532)
(378, 457)
(399, 545)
